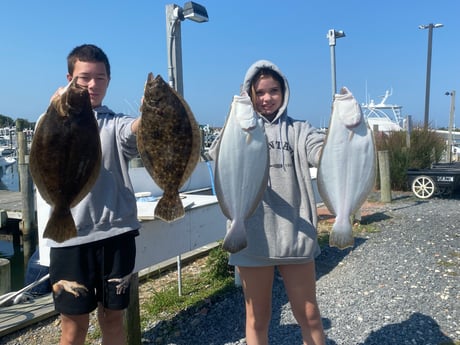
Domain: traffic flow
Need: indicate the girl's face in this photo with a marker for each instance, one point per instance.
(268, 97)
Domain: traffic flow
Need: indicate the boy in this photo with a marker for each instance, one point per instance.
(93, 269)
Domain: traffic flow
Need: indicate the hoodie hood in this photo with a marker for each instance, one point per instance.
(252, 71)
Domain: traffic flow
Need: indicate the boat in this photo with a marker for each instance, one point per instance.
(6, 149)
(5, 162)
(386, 116)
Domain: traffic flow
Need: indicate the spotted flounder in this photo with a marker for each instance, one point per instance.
(241, 170)
(169, 144)
(65, 157)
(346, 172)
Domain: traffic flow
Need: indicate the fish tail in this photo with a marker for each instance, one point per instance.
(169, 207)
(60, 226)
(341, 235)
(235, 239)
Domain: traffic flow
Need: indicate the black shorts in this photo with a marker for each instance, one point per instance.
(84, 275)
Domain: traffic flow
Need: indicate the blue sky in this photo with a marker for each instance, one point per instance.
(383, 49)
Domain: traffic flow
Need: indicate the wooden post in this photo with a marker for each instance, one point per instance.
(408, 130)
(5, 276)
(384, 169)
(29, 231)
(132, 314)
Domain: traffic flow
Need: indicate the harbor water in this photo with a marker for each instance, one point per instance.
(10, 181)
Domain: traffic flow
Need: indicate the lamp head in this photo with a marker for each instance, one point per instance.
(195, 12)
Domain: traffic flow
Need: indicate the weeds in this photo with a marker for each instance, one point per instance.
(426, 147)
(209, 284)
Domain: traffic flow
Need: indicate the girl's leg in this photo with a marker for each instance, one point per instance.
(257, 285)
(300, 283)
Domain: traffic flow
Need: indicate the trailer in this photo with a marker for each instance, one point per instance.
(441, 179)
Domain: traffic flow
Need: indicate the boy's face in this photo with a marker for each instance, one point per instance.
(92, 75)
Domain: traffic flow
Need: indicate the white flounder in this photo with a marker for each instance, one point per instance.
(241, 171)
(346, 172)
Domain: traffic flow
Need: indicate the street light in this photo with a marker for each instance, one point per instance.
(451, 122)
(174, 15)
(428, 69)
(332, 35)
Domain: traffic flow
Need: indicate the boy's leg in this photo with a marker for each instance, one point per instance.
(111, 322)
(74, 329)
(119, 256)
(71, 272)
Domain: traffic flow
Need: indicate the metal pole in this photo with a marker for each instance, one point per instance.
(428, 77)
(174, 48)
(430, 28)
(333, 76)
(332, 35)
(451, 122)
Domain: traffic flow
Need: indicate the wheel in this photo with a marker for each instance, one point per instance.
(423, 187)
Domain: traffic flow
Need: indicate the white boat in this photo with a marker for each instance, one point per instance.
(5, 162)
(386, 116)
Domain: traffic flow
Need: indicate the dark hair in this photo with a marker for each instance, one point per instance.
(87, 53)
(262, 73)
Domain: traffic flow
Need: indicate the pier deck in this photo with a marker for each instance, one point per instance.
(11, 202)
(19, 316)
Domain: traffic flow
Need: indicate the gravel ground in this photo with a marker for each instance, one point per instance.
(398, 285)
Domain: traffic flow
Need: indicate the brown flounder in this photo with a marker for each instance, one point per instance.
(65, 157)
(169, 144)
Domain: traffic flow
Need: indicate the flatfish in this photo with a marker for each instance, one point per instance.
(241, 170)
(346, 172)
(169, 143)
(65, 157)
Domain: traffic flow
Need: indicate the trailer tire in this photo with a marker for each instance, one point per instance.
(423, 187)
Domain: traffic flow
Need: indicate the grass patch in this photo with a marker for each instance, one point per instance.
(359, 228)
(207, 285)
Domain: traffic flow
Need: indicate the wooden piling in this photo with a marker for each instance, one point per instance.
(384, 169)
(132, 318)
(28, 227)
(5, 276)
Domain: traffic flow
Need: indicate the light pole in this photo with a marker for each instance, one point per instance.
(174, 15)
(428, 69)
(451, 122)
(332, 35)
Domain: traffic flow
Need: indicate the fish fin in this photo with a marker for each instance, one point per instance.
(347, 108)
(60, 226)
(248, 138)
(235, 239)
(169, 207)
(341, 235)
(351, 135)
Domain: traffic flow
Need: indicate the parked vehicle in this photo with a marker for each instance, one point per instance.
(441, 179)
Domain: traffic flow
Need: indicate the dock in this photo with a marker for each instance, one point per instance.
(160, 245)
(19, 316)
(11, 203)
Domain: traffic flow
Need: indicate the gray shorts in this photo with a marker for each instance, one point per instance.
(99, 272)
